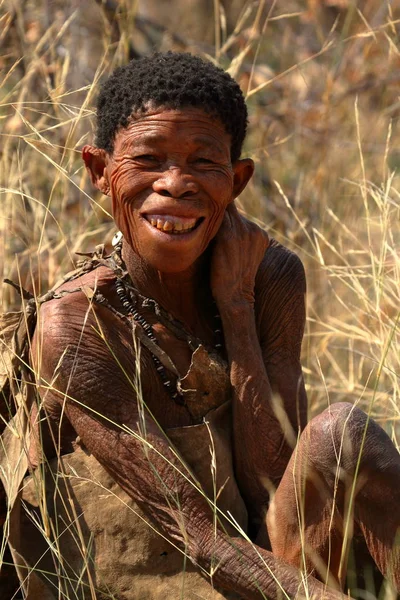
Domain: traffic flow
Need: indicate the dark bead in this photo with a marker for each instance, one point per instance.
(129, 301)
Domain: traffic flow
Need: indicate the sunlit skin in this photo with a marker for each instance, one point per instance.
(170, 163)
(173, 168)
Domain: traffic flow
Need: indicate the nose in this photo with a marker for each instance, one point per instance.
(175, 183)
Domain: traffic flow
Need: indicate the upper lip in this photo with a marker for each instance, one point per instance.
(183, 211)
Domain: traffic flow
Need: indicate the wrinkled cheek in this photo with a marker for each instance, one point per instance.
(214, 223)
(212, 230)
(127, 227)
(124, 219)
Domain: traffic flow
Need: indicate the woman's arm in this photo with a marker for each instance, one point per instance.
(89, 372)
(262, 310)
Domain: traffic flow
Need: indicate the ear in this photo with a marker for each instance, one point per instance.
(95, 163)
(243, 170)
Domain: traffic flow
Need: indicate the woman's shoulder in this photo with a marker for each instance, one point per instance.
(280, 281)
(71, 302)
(76, 322)
(100, 278)
(280, 266)
(280, 293)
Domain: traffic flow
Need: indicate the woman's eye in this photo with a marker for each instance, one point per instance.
(204, 161)
(146, 158)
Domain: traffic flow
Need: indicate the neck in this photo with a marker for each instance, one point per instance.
(178, 293)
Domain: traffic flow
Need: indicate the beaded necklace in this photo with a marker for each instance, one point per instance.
(129, 299)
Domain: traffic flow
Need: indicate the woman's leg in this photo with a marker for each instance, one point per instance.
(344, 472)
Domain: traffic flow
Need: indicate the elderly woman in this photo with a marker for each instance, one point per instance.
(171, 381)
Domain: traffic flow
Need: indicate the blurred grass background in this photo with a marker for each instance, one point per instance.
(322, 82)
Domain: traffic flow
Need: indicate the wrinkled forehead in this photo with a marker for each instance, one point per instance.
(161, 125)
(181, 111)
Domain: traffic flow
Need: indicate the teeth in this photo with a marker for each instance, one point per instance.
(189, 225)
(168, 226)
(172, 224)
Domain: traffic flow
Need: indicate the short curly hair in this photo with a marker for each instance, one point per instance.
(174, 80)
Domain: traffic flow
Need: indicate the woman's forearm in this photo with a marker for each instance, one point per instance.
(253, 573)
(261, 451)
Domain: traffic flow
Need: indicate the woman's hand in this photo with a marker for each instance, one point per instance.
(239, 248)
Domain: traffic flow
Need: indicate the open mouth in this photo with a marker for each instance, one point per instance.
(172, 224)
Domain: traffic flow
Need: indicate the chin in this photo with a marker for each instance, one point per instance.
(166, 259)
(171, 262)
(171, 267)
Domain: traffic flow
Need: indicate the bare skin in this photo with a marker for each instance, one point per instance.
(175, 165)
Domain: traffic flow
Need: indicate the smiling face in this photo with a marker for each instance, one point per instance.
(170, 178)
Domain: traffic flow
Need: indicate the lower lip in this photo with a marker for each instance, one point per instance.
(174, 237)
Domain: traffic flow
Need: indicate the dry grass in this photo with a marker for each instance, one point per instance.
(322, 81)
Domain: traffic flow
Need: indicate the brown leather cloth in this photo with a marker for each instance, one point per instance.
(96, 542)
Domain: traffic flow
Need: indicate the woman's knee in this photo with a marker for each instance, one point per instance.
(335, 437)
(344, 436)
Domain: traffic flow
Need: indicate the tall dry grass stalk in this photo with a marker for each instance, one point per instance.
(322, 82)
